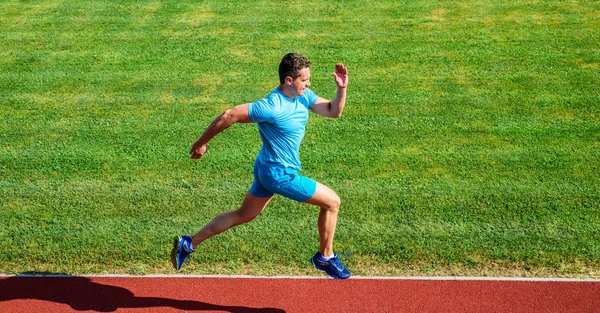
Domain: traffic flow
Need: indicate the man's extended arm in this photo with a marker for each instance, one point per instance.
(237, 114)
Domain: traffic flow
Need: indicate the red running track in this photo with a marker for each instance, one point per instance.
(212, 294)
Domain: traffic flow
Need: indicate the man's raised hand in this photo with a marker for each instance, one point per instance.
(341, 75)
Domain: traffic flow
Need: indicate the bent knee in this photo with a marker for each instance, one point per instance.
(333, 204)
(325, 198)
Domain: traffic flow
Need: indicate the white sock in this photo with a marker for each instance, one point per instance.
(327, 258)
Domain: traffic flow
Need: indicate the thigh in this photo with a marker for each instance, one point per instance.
(324, 197)
(253, 205)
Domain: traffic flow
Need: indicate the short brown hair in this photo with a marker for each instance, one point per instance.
(291, 64)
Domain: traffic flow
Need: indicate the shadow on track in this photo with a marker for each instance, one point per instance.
(82, 294)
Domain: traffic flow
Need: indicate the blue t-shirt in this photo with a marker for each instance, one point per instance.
(281, 124)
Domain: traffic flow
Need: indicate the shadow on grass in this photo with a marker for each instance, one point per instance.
(82, 294)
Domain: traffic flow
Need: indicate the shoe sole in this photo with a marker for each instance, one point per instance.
(175, 251)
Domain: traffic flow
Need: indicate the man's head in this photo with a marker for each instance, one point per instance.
(294, 72)
(291, 65)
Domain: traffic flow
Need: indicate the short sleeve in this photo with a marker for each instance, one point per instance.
(310, 96)
(261, 111)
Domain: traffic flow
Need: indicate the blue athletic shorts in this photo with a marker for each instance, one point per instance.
(287, 182)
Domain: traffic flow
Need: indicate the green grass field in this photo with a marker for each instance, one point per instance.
(470, 143)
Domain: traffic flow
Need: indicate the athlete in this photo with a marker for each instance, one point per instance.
(281, 118)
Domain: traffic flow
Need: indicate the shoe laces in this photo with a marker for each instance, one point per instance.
(343, 256)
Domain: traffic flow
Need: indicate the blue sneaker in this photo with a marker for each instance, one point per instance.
(182, 247)
(332, 267)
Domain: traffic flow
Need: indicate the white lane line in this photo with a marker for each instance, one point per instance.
(430, 278)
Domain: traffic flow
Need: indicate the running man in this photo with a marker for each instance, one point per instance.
(281, 119)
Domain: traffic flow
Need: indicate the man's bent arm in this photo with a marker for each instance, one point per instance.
(237, 114)
(335, 107)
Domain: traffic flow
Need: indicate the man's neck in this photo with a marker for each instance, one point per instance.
(288, 92)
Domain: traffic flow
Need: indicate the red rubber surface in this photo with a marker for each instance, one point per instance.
(188, 294)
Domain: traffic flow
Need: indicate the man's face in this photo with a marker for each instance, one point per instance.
(301, 82)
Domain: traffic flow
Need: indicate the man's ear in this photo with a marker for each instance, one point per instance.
(289, 80)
